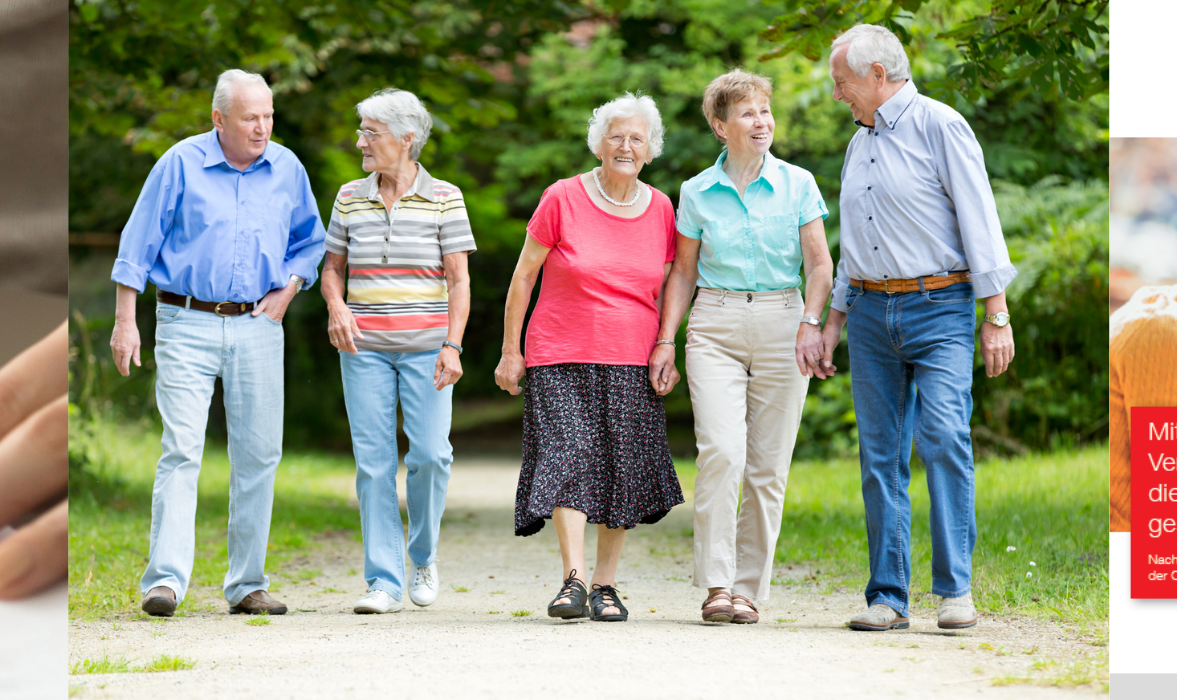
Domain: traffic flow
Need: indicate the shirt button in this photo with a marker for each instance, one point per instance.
(868, 187)
(872, 160)
(870, 218)
(884, 277)
(876, 247)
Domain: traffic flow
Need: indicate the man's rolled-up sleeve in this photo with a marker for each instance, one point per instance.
(841, 284)
(965, 181)
(150, 222)
(305, 248)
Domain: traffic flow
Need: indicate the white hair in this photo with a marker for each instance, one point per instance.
(868, 44)
(624, 107)
(402, 113)
(227, 83)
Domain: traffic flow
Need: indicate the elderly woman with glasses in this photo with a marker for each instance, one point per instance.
(402, 237)
(594, 429)
(747, 225)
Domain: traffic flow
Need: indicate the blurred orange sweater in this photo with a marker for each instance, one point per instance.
(1143, 373)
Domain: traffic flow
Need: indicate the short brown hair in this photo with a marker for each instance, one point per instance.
(732, 88)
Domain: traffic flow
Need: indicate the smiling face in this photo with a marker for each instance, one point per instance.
(625, 148)
(383, 152)
(245, 130)
(863, 95)
(749, 127)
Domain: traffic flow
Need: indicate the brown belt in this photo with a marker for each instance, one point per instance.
(912, 285)
(224, 308)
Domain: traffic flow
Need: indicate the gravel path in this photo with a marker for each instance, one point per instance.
(477, 643)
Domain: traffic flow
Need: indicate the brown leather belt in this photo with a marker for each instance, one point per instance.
(912, 285)
(224, 308)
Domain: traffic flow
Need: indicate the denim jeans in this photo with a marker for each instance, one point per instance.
(373, 382)
(899, 342)
(192, 349)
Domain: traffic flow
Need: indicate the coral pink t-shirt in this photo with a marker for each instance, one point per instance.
(597, 299)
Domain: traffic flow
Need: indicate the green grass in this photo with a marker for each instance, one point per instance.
(110, 517)
(258, 621)
(105, 664)
(1051, 508)
(520, 613)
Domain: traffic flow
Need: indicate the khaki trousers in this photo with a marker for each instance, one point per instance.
(747, 394)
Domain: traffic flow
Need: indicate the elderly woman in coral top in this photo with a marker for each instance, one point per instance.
(594, 429)
(1143, 373)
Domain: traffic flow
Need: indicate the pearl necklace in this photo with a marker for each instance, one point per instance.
(612, 201)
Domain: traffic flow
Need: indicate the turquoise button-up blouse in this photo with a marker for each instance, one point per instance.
(753, 243)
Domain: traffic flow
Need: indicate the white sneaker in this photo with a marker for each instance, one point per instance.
(957, 613)
(377, 601)
(423, 589)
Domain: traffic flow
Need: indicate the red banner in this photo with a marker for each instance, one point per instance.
(1154, 502)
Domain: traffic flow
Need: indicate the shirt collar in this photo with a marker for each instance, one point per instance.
(215, 155)
(769, 172)
(422, 186)
(891, 110)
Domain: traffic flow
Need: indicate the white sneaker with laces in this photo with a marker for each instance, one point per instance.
(423, 588)
(377, 601)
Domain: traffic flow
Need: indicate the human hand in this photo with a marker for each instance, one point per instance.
(997, 348)
(810, 349)
(831, 335)
(124, 343)
(510, 372)
(274, 303)
(34, 418)
(663, 372)
(449, 368)
(341, 326)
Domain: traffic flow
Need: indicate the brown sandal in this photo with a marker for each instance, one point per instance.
(742, 617)
(718, 612)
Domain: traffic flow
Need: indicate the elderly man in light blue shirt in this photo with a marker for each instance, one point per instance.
(921, 242)
(227, 229)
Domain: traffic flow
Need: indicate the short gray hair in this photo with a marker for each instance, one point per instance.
(869, 44)
(624, 107)
(402, 113)
(228, 81)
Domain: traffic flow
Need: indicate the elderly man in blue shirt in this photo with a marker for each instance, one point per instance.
(227, 229)
(921, 242)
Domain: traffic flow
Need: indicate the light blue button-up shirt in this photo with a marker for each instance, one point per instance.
(203, 228)
(750, 243)
(916, 200)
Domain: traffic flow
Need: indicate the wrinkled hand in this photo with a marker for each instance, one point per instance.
(124, 343)
(997, 348)
(274, 303)
(510, 372)
(831, 335)
(34, 411)
(341, 327)
(810, 351)
(449, 368)
(663, 372)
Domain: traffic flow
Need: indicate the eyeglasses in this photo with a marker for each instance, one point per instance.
(634, 141)
(368, 134)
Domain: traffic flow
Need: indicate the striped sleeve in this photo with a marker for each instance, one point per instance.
(454, 225)
(337, 235)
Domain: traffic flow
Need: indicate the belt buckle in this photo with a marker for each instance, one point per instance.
(217, 308)
(886, 287)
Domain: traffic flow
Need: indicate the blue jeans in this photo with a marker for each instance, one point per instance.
(898, 342)
(373, 382)
(192, 349)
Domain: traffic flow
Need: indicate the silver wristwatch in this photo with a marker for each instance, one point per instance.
(299, 280)
(1000, 319)
(812, 321)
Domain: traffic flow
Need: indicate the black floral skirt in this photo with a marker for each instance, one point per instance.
(594, 440)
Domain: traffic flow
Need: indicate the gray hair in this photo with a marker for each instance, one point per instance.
(402, 113)
(228, 81)
(624, 107)
(869, 44)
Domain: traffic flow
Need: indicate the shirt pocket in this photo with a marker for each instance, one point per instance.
(719, 237)
(781, 241)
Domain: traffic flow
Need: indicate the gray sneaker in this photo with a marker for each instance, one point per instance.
(877, 618)
(957, 613)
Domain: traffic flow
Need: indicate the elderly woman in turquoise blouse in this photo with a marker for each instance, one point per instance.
(746, 225)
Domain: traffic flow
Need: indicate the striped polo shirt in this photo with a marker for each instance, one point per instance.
(396, 285)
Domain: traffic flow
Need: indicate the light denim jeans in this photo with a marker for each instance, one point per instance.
(898, 342)
(192, 349)
(373, 382)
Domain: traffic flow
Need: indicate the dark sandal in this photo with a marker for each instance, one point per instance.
(718, 613)
(606, 597)
(575, 592)
(744, 617)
